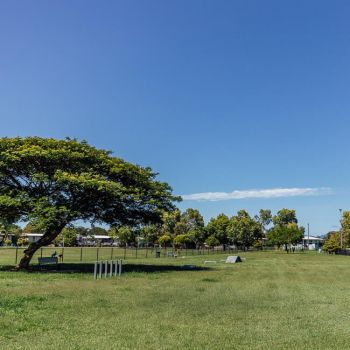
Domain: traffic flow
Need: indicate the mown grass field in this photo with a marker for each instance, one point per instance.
(270, 301)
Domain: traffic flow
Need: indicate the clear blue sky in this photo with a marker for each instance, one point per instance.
(217, 96)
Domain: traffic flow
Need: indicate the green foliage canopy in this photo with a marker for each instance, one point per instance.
(181, 240)
(345, 227)
(150, 233)
(69, 236)
(264, 218)
(212, 241)
(243, 230)
(218, 227)
(285, 216)
(52, 183)
(126, 236)
(332, 243)
(169, 221)
(164, 240)
(286, 234)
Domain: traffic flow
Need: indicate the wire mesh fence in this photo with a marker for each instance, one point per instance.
(12, 255)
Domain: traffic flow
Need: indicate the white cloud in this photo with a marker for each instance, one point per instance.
(256, 193)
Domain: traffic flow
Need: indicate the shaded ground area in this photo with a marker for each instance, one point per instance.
(88, 268)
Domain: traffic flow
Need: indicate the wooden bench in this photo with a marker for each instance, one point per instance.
(48, 260)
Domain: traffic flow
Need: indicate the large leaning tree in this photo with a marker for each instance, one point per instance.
(52, 183)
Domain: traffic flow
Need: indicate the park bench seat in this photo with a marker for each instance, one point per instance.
(48, 260)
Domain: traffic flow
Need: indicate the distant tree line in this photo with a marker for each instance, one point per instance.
(188, 230)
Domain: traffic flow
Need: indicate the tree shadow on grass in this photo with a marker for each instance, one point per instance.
(162, 268)
(89, 268)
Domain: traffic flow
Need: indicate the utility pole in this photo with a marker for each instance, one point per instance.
(308, 236)
(341, 229)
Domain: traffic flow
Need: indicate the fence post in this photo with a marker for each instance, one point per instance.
(41, 252)
(16, 255)
(125, 252)
(81, 254)
(116, 268)
(97, 253)
(146, 250)
(136, 252)
(111, 267)
(112, 253)
(106, 268)
(95, 270)
(62, 253)
(120, 267)
(100, 272)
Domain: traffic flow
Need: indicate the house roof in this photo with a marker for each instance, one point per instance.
(313, 238)
(33, 234)
(96, 237)
(101, 237)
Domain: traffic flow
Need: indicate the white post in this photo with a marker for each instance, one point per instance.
(115, 268)
(111, 269)
(120, 267)
(100, 272)
(106, 268)
(95, 270)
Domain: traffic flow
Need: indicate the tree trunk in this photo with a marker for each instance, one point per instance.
(45, 240)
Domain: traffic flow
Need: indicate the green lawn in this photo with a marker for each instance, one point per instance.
(270, 301)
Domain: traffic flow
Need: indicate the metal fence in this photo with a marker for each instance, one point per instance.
(12, 255)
